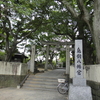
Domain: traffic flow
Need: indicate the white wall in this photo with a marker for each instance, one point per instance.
(91, 72)
(12, 68)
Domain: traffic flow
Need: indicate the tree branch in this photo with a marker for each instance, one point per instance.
(84, 10)
(9, 23)
(86, 15)
(70, 8)
(2, 35)
(27, 35)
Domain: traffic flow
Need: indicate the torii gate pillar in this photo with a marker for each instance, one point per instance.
(47, 57)
(32, 61)
(67, 60)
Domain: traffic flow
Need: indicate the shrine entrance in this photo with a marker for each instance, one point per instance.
(67, 49)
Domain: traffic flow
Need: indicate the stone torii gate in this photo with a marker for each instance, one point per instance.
(67, 53)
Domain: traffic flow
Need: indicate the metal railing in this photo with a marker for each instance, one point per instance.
(21, 84)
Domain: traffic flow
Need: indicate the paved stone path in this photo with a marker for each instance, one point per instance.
(57, 73)
(24, 94)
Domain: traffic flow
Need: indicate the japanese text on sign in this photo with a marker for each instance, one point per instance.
(78, 61)
(78, 58)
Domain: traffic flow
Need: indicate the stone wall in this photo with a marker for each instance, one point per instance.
(92, 75)
(10, 80)
(95, 86)
(12, 73)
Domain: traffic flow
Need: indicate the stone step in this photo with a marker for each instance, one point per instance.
(40, 88)
(42, 77)
(40, 85)
(42, 82)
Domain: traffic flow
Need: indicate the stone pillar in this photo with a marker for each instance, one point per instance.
(32, 61)
(67, 59)
(79, 90)
(47, 56)
(79, 80)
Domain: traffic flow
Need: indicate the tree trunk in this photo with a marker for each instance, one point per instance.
(96, 28)
(8, 56)
(87, 48)
(88, 53)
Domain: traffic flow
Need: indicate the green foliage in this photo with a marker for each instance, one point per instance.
(38, 20)
(19, 21)
(63, 56)
(2, 55)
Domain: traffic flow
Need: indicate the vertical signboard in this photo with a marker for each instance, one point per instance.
(78, 59)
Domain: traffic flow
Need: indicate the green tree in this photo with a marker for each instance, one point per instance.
(82, 12)
(65, 19)
(60, 17)
(18, 21)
